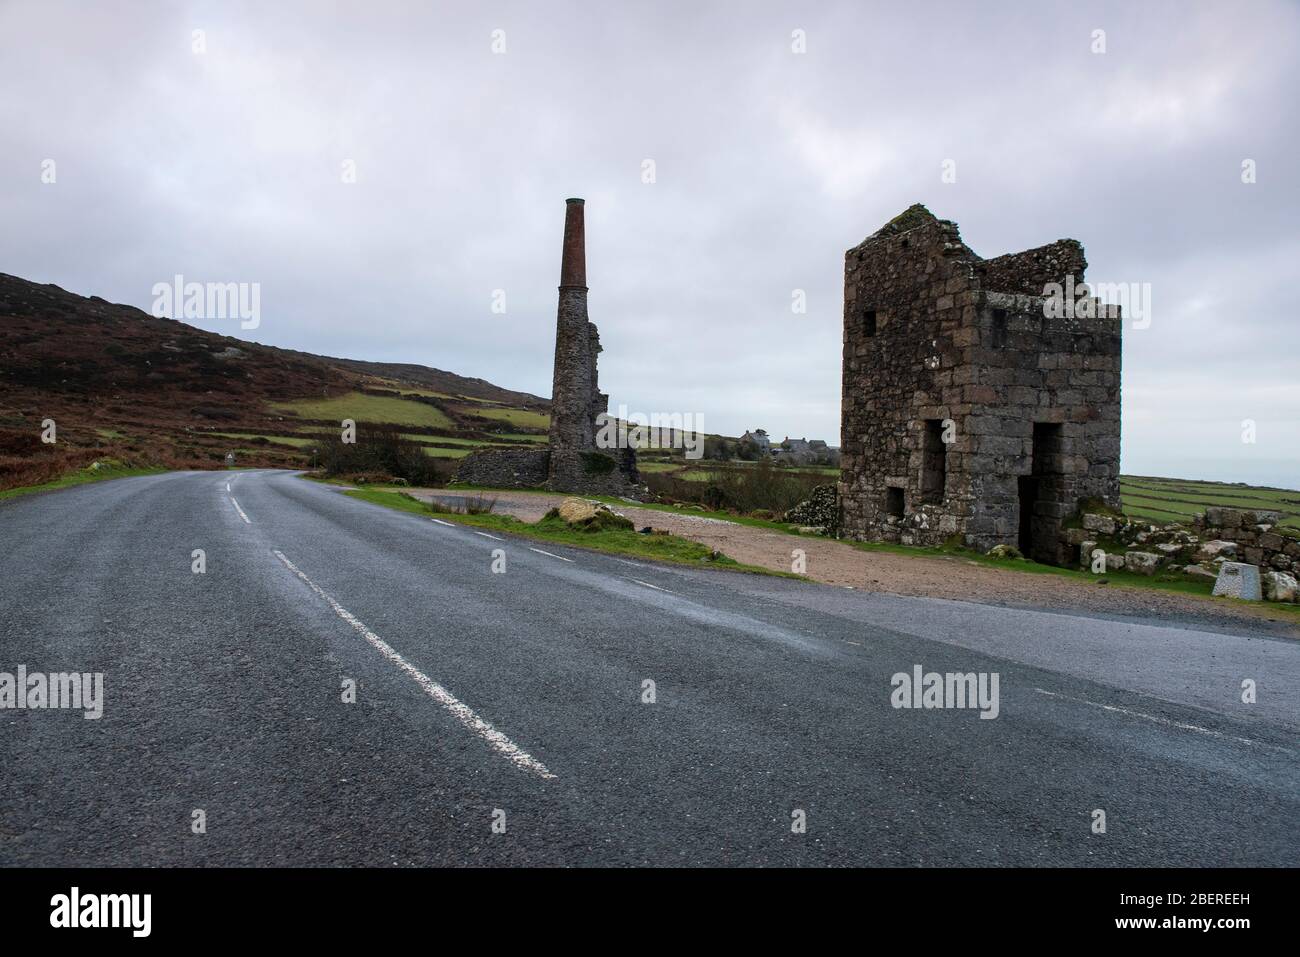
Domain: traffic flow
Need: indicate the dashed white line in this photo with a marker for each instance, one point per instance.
(1181, 725)
(227, 486)
(486, 535)
(441, 522)
(548, 554)
(462, 712)
(648, 585)
(240, 511)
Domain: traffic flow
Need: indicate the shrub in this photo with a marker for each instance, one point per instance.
(475, 505)
(747, 488)
(381, 451)
(594, 463)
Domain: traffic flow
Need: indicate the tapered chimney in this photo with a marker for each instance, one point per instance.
(573, 264)
(573, 387)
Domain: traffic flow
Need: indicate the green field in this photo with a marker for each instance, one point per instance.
(294, 441)
(369, 408)
(442, 439)
(522, 418)
(1177, 500)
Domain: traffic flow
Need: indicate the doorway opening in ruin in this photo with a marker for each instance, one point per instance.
(1028, 489)
(1041, 495)
(934, 462)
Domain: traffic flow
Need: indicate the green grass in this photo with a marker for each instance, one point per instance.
(703, 470)
(442, 440)
(523, 418)
(109, 469)
(666, 548)
(1167, 581)
(655, 507)
(296, 442)
(658, 466)
(368, 408)
(1172, 500)
(437, 453)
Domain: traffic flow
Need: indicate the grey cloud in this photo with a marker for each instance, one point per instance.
(770, 165)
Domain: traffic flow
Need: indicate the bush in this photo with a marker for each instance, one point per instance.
(473, 505)
(747, 489)
(594, 463)
(381, 452)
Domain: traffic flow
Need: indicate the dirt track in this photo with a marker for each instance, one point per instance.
(838, 563)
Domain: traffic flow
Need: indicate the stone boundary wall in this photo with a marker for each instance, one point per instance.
(505, 468)
(1197, 547)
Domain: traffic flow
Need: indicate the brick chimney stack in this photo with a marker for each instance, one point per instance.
(573, 265)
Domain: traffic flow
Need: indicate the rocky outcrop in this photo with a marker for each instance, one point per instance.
(1199, 549)
(820, 510)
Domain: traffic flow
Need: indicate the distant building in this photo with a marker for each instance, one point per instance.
(757, 437)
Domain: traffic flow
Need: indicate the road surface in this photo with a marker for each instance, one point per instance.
(519, 699)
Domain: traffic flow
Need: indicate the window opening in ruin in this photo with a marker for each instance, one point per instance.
(869, 322)
(934, 462)
(894, 501)
(999, 328)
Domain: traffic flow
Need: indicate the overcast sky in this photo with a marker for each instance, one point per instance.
(227, 165)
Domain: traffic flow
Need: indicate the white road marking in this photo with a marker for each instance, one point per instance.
(486, 535)
(441, 522)
(227, 486)
(548, 554)
(462, 712)
(1180, 725)
(240, 511)
(648, 585)
(633, 564)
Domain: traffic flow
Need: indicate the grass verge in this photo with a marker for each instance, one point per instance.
(107, 470)
(665, 548)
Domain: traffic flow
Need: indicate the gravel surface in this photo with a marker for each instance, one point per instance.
(837, 563)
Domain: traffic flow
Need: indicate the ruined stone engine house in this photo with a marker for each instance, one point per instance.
(572, 461)
(979, 406)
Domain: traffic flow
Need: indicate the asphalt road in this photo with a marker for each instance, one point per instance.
(518, 697)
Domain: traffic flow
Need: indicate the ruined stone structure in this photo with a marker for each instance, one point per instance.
(572, 462)
(975, 410)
